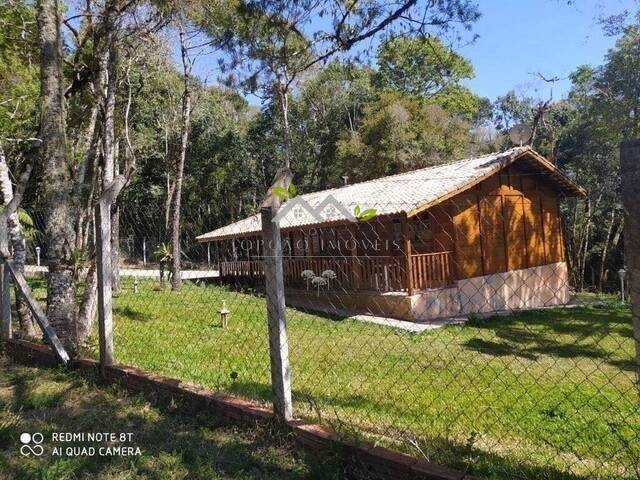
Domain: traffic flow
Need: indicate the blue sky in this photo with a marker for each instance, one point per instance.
(518, 38)
(547, 36)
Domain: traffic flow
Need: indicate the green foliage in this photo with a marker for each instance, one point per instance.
(399, 134)
(284, 193)
(423, 66)
(163, 253)
(420, 65)
(603, 106)
(330, 103)
(28, 226)
(616, 85)
(363, 215)
(19, 75)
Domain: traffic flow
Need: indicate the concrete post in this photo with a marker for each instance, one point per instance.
(103, 254)
(276, 310)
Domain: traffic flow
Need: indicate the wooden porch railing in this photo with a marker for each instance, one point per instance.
(380, 273)
(431, 270)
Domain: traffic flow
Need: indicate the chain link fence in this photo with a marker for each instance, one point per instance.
(455, 332)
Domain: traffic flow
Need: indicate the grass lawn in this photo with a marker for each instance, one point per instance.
(547, 394)
(173, 446)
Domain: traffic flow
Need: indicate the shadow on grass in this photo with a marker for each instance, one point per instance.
(132, 314)
(463, 456)
(588, 332)
(179, 443)
(498, 349)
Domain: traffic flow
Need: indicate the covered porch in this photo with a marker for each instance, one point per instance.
(389, 254)
(368, 273)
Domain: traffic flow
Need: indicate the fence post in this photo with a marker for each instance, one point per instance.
(103, 263)
(276, 310)
(408, 263)
(630, 175)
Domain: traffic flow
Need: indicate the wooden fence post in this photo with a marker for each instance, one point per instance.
(103, 263)
(276, 310)
(630, 175)
(48, 331)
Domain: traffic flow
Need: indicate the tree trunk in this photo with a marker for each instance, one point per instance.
(85, 191)
(89, 305)
(110, 148)
(115, 235)
(61, 307)
(605, 251)
(115, 248)
(85, 183)
(286, 131)
(167, 203)
(176, 281)
(28, 327)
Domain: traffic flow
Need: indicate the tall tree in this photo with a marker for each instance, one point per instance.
(605, 106)
(56, 190)
(88, 107)
(179, 163)
(273, 43)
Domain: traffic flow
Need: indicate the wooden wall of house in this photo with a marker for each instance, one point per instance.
(508, 222)
(432, 231)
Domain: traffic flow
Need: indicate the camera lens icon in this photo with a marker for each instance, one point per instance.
(31, 444)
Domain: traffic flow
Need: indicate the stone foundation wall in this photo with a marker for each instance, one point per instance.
(535, 287)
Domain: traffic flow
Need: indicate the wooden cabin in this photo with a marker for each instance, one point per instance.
(476, 235)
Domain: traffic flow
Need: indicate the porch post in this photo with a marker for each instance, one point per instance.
(355, 266)
(408, 267)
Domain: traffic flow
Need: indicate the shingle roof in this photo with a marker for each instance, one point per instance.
(402, 193)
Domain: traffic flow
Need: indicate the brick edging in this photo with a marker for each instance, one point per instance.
(380, 462)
